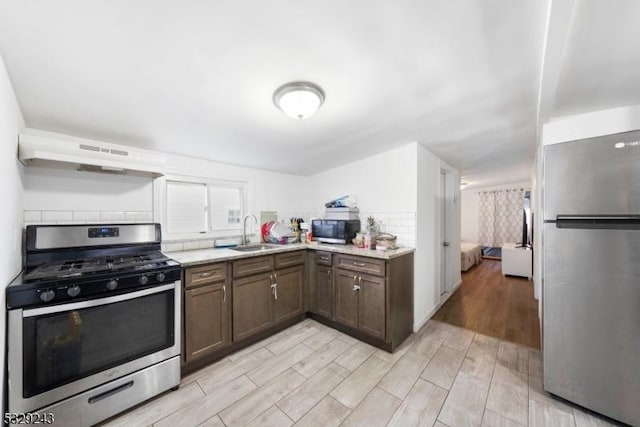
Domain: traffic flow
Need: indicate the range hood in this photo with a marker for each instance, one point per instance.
(38, 148)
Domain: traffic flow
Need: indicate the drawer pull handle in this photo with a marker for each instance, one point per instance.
(210, 273)
(274, 290)
(359, 264)
(329, 273)
(224, 293)
(109, 393)
(324, 258)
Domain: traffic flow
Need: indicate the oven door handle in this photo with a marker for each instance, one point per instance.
(96, 302)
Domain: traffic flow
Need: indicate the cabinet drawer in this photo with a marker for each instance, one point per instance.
(290, 258)
(248, 266)
(210, 273)
(363, 264)
(323, 258)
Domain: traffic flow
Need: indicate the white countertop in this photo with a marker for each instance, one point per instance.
(205, 256)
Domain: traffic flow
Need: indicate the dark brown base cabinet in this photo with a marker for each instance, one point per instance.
(346, 299)
(229, 305)
(372, 298)
(321, 284)
(361, 302)
(207, 324)
(372, 310)
(323, 291)
(252, 305)
(288, 301)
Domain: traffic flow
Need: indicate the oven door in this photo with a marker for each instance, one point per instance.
(61, 350)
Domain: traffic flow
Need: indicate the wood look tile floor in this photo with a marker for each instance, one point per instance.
(492, 304)
(312, 375)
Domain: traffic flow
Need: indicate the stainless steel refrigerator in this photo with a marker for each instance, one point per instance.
(591, 274)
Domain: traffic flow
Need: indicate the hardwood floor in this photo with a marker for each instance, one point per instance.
(495, 305)
(311, 375)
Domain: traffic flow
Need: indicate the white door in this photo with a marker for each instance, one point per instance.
(443, 233)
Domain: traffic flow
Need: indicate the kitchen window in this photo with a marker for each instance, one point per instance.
(196, 207)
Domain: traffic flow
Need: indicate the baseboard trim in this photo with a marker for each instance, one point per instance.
(434, 310)
(417, 326)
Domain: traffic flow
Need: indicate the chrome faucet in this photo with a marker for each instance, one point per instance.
(244, 227)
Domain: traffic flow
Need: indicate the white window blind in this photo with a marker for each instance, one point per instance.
(186, 205)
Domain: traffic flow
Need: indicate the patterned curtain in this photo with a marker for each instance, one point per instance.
(500, 216)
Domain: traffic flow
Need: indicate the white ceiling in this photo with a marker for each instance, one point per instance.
(196, 77)
(601, 66)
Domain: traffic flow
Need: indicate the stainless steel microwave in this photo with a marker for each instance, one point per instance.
(340, 231)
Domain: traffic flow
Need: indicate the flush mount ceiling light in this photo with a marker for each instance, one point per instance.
(462, 185)
(298, 99)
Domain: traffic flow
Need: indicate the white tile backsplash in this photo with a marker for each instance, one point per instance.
(55, 216)
(135, 216)
(190, 245)
(32, 216)
(173, 246)
(86, 216)
(204, 244)
(401, 224)
(111, 216)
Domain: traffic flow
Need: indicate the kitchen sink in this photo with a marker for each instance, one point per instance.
(253, 248)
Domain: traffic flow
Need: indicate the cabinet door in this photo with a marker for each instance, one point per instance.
(289, 293)
(252, 305)
(323, 292)
(207, 322)
(346, 298)
(372, 311)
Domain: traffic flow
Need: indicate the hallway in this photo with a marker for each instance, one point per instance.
(495, 305)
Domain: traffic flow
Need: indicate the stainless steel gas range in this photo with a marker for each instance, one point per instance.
(93, 322)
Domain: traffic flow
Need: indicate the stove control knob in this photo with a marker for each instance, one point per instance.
(73, 291)
(112, 284)
(143, 280)
(160, 277)
(47, 295)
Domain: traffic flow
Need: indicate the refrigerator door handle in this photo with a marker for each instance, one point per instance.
(599, 222)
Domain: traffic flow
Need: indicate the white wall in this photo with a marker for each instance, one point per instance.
(11, 122)
(428, 234)
(469, 215)
(384, 186)
(48, 189)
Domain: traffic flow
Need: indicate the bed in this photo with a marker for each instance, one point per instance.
(470, 255)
